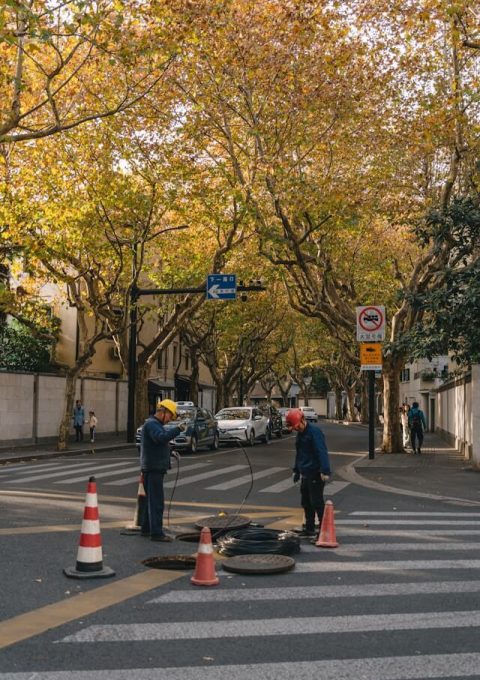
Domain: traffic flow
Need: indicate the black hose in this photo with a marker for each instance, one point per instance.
(258, 542)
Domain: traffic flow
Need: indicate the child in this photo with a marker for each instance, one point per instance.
(92, 423)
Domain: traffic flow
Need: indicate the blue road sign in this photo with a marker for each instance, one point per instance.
(221, 286)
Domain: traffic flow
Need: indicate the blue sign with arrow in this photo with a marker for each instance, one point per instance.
(221, 286)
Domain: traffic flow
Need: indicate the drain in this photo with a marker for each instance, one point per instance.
(192, 537)
(170, 562)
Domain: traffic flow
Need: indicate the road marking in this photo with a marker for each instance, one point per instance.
(40, 620)
(204, 475)
(320, 592)
(246, 479)
(50, 475)
(416, 514)
(99, 475)
(315, 625)
(427, 667)
(280, 486)
(395, 565)
(183, 468)
(381, 547)
(404, 522)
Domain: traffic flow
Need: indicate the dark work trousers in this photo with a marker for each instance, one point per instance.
(79, 433)
(416, 434)
(311, 492)
(153, 519)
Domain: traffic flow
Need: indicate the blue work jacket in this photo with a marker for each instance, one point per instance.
(312, 454)
(154, 448)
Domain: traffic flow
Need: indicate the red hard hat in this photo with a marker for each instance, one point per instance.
(293, 417)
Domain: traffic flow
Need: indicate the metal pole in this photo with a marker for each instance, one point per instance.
(371, 415)
(132, 365)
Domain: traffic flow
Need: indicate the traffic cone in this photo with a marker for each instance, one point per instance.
(136, 526)
(205, 574)
(89, 556)
(326, 537)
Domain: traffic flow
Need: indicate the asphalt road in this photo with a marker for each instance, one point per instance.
(399, 598)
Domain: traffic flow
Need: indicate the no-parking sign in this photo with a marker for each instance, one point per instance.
(371, 323)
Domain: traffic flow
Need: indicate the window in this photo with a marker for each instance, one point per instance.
(162, 359)
(405, 375)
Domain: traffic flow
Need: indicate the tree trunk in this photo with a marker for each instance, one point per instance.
(220, 401)
(194, 376)
(338, 404)
(392, 435)
(66, 422)
(350, 391)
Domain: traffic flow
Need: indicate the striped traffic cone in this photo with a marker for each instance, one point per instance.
(136, 526)
(205, 574)
(89, 556)
(326, 537)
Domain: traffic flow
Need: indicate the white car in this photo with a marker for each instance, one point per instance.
(242, 423)
(309, 413)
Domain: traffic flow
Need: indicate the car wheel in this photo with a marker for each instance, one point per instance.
(251, 438)
(267, 436)
(194, 444)
(215, 444)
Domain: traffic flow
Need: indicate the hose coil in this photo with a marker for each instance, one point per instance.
(252, 541)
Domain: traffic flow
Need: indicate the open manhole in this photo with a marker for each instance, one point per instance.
(258, 564)
(189, 537)
(170, 562)
(223, 522)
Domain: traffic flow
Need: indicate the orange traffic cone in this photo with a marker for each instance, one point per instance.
(205, 574)
(326, 537)
(136, 526)
(89, 556)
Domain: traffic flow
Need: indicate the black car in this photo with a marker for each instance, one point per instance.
(275, 426)
(202, 430)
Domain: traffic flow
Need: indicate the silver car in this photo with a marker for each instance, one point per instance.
(242, 423)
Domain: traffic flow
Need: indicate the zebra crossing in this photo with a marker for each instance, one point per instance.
(208, 475)
(424, 612)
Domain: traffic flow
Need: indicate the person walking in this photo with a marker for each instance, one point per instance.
(155, 462)
(404, 409)
(312, 466)
(78, 420)
(92, 424)
(417, 424)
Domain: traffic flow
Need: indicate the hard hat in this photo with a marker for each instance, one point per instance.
(170, 406)
(294, 417)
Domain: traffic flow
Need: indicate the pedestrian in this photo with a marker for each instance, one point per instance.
(92, 424)
(78, 420)
(155, 462)
(404, 409)
(417, 424)
(312, 466)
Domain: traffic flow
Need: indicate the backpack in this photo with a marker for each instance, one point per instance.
(416, 421)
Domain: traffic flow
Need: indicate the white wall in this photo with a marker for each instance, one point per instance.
(317, 403)
(16, 405)
(454, 410)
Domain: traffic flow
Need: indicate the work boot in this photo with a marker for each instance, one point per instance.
(419, 451)
(306, 533)
(161, 538)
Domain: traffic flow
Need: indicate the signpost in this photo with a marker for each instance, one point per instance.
(371, 329)
(221, 287)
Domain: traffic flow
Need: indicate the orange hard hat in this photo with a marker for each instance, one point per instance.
(294, 417)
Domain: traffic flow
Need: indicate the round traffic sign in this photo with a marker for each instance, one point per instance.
(371, 319)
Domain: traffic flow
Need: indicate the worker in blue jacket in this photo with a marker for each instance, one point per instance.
(155, 462)
(312, 465)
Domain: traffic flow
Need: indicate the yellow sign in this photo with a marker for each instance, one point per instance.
(371, 356)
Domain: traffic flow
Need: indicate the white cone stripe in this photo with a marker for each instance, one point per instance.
(64, 473)
(394, 547)
(427, 667)
(90, 526)
(91, 500)
(183, 468)
(88, 555)
(205, 549)
(416, 514)
(193, 630)
(246, 479)
(204, 475)
(100, 475)
(390, 565)
(318, 592)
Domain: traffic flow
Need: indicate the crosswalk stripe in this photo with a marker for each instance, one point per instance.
(315, 625)
(429, 534)
(50, 475)
(27, 467)
(320, 592)
(394, 547)
(404, 522)
(389, 565)
(427, 667)
(98, 475)
(334, 487)
(246, 479)
(204, 475)
(183, 468)
(416, 514)
(280, 486)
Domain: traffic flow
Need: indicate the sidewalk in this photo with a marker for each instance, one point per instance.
(440, 472)
(17, 454)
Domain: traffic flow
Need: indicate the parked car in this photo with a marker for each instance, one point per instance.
(309, 413)
(283, 410)
(202, 430)
(242, 423)
(275, 426)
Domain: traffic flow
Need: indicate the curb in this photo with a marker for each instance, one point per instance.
(34, 455)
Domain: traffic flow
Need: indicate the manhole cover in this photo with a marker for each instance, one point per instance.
(259, 564)
(170, 562)
(219, 522)
(191, 537)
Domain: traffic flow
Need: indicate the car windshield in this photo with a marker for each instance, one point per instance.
(186, 413)
(307, 408)
(233, 414)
